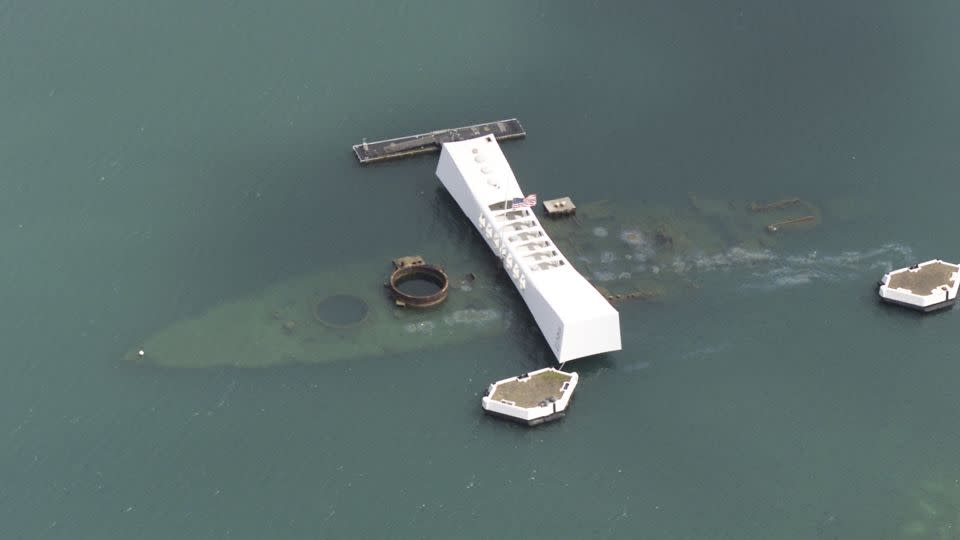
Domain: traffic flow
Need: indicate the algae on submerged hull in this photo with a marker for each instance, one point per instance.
(638, 250)
(627, 250)
(934, 511)
(281, 324)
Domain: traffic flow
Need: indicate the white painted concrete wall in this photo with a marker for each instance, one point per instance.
(531, 413)
(573, 317)
(920, 300)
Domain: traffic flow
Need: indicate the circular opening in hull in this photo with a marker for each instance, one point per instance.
(419, 286)
(340, 311)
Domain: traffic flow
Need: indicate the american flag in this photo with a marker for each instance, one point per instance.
(527, 202)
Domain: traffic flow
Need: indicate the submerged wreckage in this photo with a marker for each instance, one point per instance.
(324, 317)
(613, 250)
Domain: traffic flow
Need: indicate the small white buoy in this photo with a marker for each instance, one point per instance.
(140, 353)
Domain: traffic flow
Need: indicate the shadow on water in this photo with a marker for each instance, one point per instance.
(901, 313)
(450, 223)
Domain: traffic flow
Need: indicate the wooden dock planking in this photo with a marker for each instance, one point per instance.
(369, 152)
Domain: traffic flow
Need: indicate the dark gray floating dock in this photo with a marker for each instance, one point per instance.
(368, 152)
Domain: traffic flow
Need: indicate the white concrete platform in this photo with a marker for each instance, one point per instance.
(575, 319)
(532, 398)
(927, 286)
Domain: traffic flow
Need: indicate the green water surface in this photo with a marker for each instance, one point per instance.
(161, 159)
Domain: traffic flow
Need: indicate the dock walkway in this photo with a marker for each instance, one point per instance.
(369, 152)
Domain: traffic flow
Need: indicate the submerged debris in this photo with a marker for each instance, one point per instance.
(774, 227)
(777, 205)
(663, 237)
(632, 295)
(410, 260)
(641, 251)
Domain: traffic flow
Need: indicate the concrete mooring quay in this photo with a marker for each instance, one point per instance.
(368, 152)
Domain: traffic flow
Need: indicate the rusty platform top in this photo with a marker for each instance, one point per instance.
(560, 207)
(369, 152)
(925, 278)
(530, 390)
